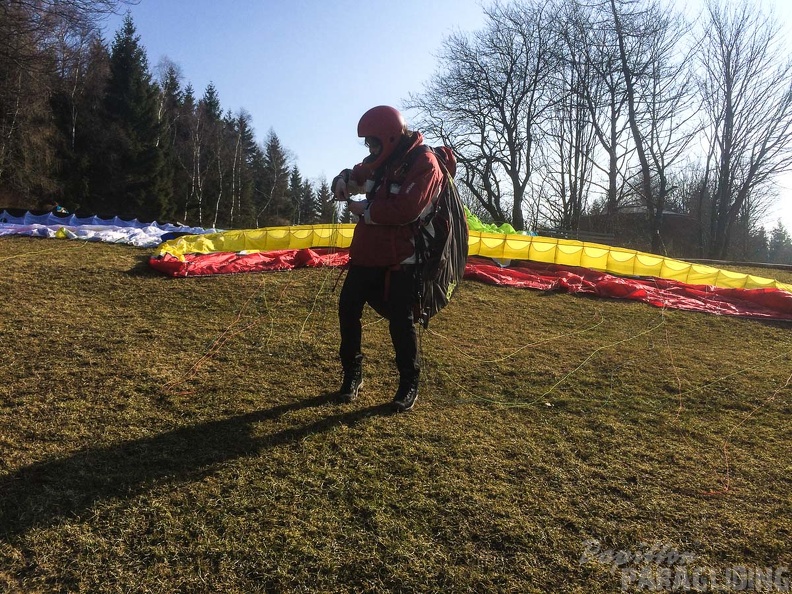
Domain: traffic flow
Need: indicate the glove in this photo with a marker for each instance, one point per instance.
(340, 191)
(339, 186)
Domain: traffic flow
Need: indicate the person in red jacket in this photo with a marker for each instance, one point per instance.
(400, 183)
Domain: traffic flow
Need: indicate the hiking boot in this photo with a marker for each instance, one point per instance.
(353, 379)
(406, 395)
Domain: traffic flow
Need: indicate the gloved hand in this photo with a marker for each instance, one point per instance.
(339, 189)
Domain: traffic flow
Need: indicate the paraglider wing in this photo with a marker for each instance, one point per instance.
(534, 262)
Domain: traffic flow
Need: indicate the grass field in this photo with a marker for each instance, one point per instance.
(179, 435)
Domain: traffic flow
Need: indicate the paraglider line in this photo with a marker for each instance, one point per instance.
(734, 373)
(727, 481)
(602, 348)
(676, 374)
(220, 341)
(522, 348)
(325, 278)
(572, 372)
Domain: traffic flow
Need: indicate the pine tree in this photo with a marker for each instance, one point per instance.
(184, 186)
(189, 97)
(169, 104)
(83, 149)
(780, 246)
(210, 156)
(247, 158)
(138, 182)
(295, 196)
(345, 216)
(273, 206)
(176, 108)
(171, 99)
(309, 204)
(758, 246)
(211, 103)
(327, 206)
(237, 155)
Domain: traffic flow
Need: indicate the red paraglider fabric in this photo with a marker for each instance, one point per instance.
(766, 303)
(232, 263)
(770, 303)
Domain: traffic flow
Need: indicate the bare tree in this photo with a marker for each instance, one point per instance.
(746, 84)
(43, 22)
(489, 100)
(570, 142)
(593, 53)
(568, 151)
(658, 94)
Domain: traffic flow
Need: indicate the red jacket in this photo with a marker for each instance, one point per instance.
(384, 236)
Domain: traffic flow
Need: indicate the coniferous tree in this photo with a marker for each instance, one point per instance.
(780, 245)
(221, 171)
(759, 246)
(327, 206)
(26, 135)
(273, 206)
(137, 185)
(176, 108)
(211, 142)
(211, 103)
(169, 100)
(296, 197)
(79, 114)
(192, 159)
(247, 158)
(346, 215)
(238, 153)
(309, 204)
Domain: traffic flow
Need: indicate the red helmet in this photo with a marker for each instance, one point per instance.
(385, 124)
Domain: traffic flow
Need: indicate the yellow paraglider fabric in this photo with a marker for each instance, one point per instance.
(266, 239)
(565, 252)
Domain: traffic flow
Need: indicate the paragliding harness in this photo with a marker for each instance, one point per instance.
(441, 244)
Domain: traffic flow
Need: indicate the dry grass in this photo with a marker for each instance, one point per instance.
(163, 435)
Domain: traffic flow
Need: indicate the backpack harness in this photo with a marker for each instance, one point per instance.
(441, 244)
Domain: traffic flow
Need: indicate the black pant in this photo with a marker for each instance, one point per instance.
(392, 294)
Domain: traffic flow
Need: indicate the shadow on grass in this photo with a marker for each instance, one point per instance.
(143, 268)
(40, 494)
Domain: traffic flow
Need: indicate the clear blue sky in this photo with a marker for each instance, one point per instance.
(308, 69)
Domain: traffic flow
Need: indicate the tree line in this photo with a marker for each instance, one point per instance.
(568, 112)
(90, 128)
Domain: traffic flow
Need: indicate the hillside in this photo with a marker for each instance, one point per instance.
(162, 435)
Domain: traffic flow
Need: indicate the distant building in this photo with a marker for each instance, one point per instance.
(630, 228)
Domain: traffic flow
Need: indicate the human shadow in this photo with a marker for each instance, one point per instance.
(40, 494)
